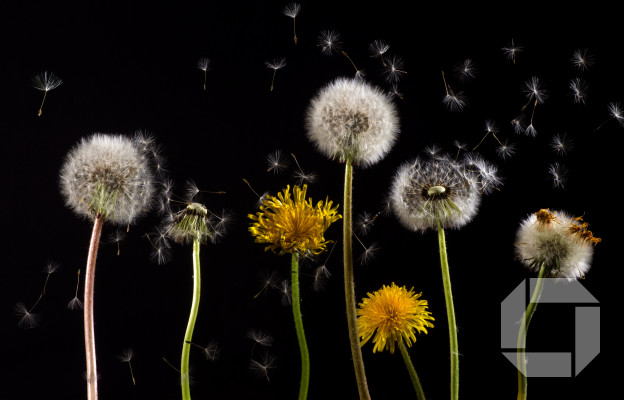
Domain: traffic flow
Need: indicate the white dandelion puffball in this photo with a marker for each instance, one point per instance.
(560, 242)
(350, 119)
(438, 190)
(109, 175)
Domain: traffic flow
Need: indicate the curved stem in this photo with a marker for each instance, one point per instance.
(412, 371)
(188, 336)
(89, 329)
(450, 313)
(303, 346)
(524, 327)
(354, 338)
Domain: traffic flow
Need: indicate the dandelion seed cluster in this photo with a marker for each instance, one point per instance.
(292, 224)
(391, 314)
(108, 175)
(562, 243)
(440, 190)
(351, 120)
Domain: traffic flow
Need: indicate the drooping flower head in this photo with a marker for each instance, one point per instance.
(350, 119)
(563, 243)
(391, 314)
(191, 223)
(290, 223)
(440, 190)
(110, 176)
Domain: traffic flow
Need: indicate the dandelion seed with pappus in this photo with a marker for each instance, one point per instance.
(357, 124)
(436, 194)
(292, 10)
(290, 223)
(392, 316)
(106, 178)
(45, 82)
(554, 245)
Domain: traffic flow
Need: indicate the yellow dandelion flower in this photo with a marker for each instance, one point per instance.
(290, 223)
(391, 314)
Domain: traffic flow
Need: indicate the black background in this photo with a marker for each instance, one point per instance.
(135, 67)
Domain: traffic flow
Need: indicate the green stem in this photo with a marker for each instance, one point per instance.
(188, 336)
(412, 371)
(450, 313)
(354, 337)
(524, 327)
(89, 328)
(303, 346)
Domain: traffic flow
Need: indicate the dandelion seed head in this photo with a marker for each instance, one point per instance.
(390, 315)
(564, 244)
(441, 190)
(350, 119)
(108, 175)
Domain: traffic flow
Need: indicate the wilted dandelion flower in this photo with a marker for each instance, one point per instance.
(392, 314)
(45, 82)
(108, 176)
(352, 120)
(290, 223)
(441, 190)
(562, 243)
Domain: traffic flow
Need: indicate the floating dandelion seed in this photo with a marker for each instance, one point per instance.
(377, 49)
(512, 50)
(211, 351)
(268, 281)
(27, 319)
(276, 162)
(368, 253)
(204, 64)
(259, 338)
(45, 82)
(365, 221)
(329, 42)
(582, 59)
(292, 10)
(579, 88)
(518, 124)
(394, 69)
(126, 357)
(453, 101)
(561, 143)
(75, 303)
(506, 149)
(284, 288)
(536, 95)
(490, 128)
(616, 113)
(558, 174)
(321, 273)
(261, 368)
(276, 64)
(466, 70)
(117, 237)
(301, 176)
(461, 146)
(394, 91)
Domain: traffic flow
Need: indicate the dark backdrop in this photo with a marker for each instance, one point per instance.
(134, 67)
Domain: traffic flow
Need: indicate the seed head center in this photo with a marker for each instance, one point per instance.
(436, 191)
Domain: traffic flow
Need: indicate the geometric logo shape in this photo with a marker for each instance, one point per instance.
(586, 328)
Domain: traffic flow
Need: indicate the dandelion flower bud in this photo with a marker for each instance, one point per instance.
(562, 243)
(110, 176)
(350, 119)
(439, 190)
